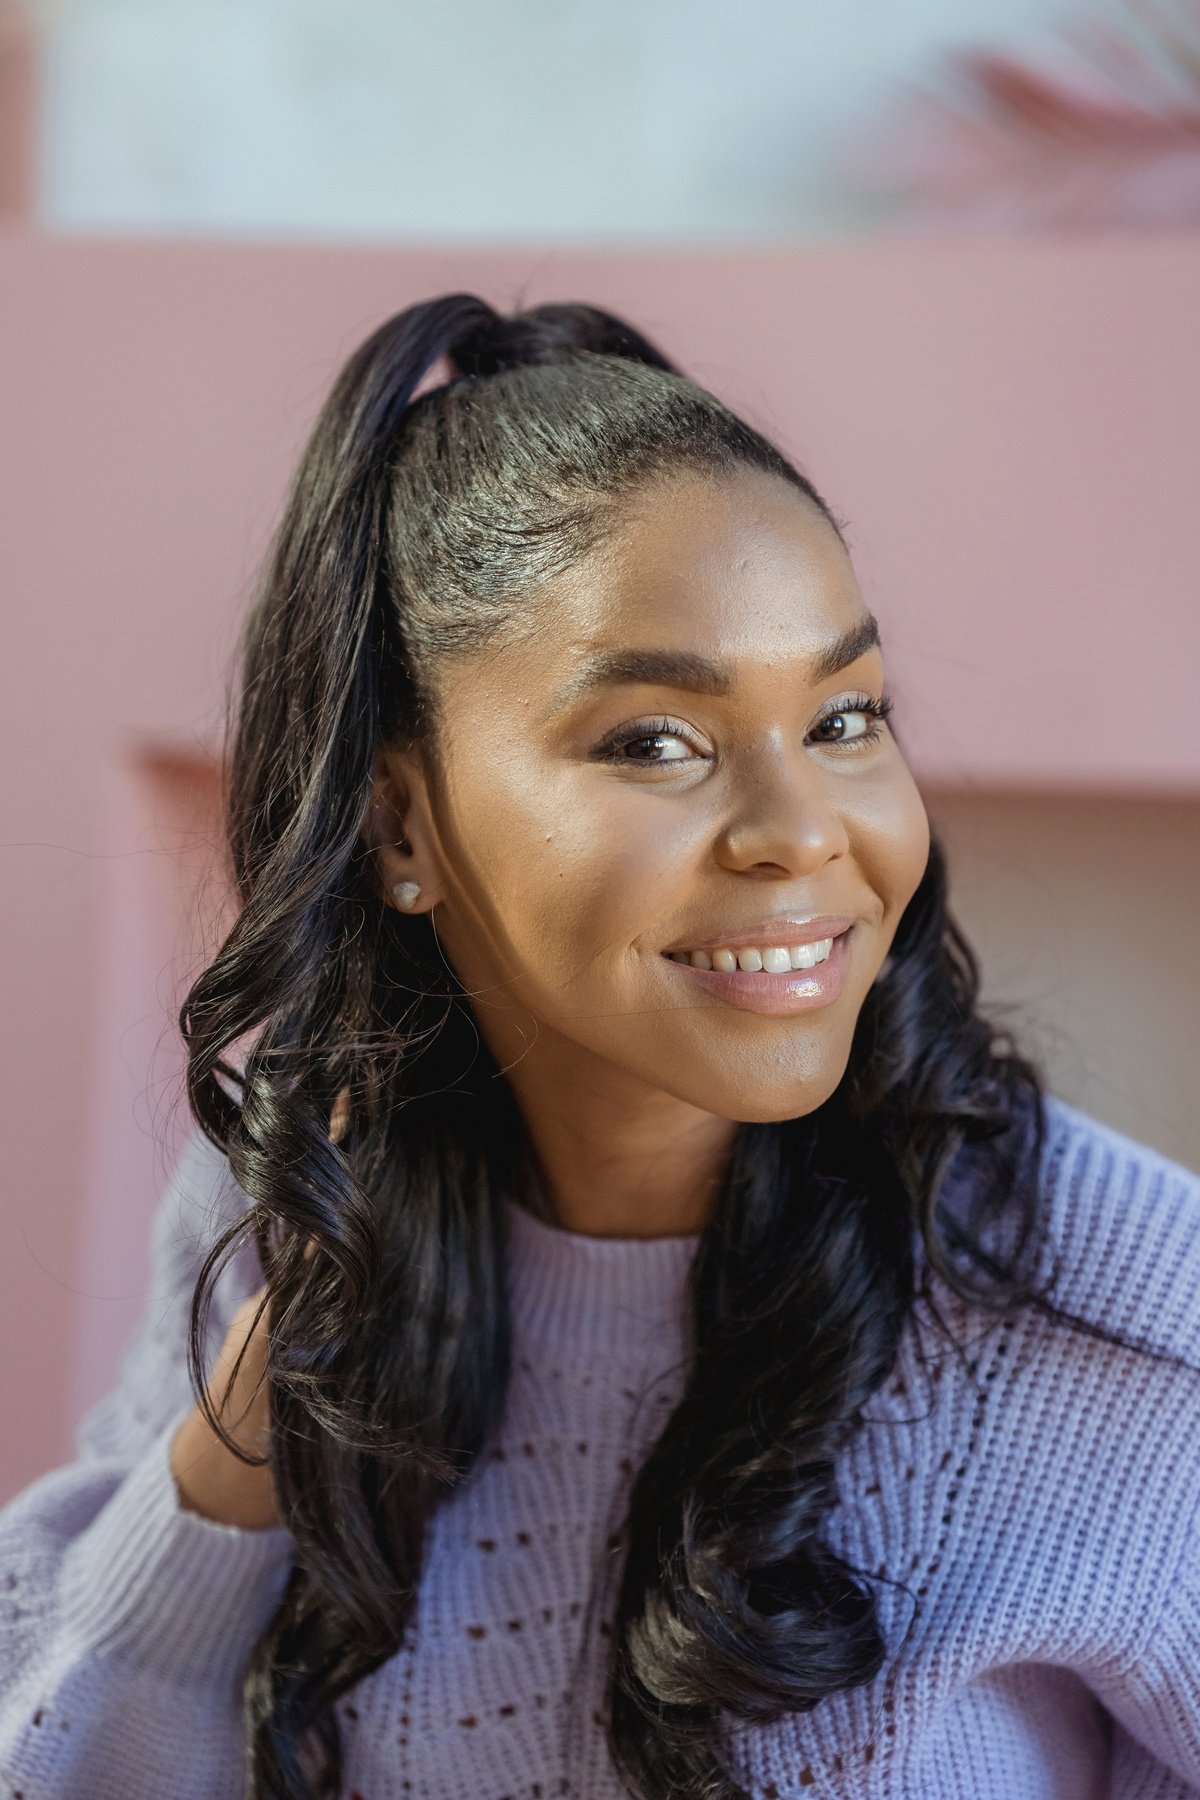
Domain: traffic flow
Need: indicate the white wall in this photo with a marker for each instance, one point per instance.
(556, 119)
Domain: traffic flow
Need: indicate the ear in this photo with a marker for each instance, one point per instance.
(393, 828)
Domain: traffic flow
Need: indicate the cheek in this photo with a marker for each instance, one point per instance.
(892, 845)
(569, 887)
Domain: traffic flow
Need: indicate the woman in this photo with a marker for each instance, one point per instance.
(702, 1359)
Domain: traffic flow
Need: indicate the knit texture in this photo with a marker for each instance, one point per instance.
(1039, 1507)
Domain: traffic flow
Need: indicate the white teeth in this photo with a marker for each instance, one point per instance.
(774, 959)
(806, 956)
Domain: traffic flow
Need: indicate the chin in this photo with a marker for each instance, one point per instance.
(794, 1109)
(760, 1107)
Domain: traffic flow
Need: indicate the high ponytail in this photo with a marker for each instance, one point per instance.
(425, 523)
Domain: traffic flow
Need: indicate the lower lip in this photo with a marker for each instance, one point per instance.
(778, 995)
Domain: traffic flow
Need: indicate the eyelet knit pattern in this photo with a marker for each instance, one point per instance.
(1031, 1522)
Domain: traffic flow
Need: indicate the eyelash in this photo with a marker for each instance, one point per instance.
(876, 706)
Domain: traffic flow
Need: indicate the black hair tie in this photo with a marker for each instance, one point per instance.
(550, 333)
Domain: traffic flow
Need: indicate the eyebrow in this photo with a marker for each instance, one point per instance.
(703, 674)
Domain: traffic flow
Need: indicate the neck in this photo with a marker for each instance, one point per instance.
(648, 1177)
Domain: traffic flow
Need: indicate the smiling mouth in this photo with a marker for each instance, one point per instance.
(777, 992)
(750, 959)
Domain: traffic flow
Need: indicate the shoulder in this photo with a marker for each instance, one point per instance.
(1087, 1424)
(201, 1189)
(1124, 1227)
(198, 1203)
(1052, 1466)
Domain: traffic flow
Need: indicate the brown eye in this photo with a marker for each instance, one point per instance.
(839, 718)
(863, 706)
(648, 731)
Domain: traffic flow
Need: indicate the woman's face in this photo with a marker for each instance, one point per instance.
(579, 828)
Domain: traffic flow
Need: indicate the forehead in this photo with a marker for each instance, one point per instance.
(748, 535)
(740, 568)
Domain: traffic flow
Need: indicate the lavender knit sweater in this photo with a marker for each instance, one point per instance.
(1043, 1506)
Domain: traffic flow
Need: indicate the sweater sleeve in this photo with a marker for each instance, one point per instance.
(126, 1621)
(1123, 1465)
(1155, 1698)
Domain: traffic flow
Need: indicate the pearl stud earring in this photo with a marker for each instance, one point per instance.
(406, 894)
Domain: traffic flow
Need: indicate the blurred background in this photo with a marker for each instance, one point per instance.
(946, 252)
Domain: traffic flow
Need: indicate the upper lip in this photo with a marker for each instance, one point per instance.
(783, 930)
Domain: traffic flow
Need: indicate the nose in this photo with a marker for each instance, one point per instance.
(786, 819)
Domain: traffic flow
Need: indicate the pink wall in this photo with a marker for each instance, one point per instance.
(1011, 429)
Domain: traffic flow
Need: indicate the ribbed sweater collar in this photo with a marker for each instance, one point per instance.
(585, 1297)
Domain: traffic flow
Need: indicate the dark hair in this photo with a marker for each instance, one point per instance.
(418, 530)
